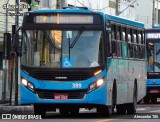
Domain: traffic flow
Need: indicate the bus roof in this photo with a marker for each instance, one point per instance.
(125, 21)
(156, 27)
(110, 17)
(64, 10)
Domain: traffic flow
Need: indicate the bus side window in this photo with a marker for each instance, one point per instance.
(143, 44)
(124, 46)
(140, 46)
(118, 40)
(135, 46)
(130, 47)
(113, 41)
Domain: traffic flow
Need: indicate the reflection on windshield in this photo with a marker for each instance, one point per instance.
(153, 56)
(41, 48)
(52, 48)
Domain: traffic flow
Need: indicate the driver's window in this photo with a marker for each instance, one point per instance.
(157, 57)
(150, 56)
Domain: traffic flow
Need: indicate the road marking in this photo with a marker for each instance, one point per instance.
(141, 109)
(154, 111)
(106, 120)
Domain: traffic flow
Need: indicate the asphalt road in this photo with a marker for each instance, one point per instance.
(147, 111)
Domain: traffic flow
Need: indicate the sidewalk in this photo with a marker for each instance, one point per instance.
(21, 109)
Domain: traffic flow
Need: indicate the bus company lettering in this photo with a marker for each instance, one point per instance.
(60, 78)
(153, 35)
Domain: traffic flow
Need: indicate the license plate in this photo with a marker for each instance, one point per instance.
(154, 91)
(60, 96)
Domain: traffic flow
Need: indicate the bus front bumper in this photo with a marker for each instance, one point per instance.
(95, 97)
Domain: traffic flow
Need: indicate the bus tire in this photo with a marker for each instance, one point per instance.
(131, 107)
(74, 111)
(154, 99)
(146, 99)
(39, 110)
(105, 110)
(121, 109)
(114, 95)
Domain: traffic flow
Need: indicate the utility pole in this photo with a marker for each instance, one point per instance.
(157, 12)
(117, 9)
(153, 14)
(16, 55)
(5, 61)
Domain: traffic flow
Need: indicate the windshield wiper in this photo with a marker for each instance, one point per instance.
(157, 64)
(75, 40)
(77, 37)
(49, 39)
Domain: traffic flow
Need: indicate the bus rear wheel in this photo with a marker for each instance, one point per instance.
(121, 109)
(131, 107)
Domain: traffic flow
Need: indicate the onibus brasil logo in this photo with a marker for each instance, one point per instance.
(21, 7)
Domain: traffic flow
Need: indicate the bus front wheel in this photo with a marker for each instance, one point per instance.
(153, 99)
(38, 110)
(146, 99)
(105, 110)
(64, 111)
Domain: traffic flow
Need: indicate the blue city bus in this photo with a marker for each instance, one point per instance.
(153, 63)
(74, 58)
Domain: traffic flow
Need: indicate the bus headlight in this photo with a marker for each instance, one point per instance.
(24, 82)
(99, 82)
(96, 84)
(28, 84)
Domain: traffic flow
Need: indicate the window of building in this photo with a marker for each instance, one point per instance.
(1, 60)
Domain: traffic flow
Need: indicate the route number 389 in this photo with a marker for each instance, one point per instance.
(76, 85)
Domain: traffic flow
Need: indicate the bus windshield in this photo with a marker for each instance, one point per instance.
(153, 56)
(62, 48)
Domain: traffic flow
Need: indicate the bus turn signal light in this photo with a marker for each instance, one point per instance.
(97, 72)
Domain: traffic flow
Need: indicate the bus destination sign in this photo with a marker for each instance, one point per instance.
(64, 19)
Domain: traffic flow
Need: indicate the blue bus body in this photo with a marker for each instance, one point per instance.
(115, 80)
(153, 72)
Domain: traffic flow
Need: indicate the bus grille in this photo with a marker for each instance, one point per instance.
(44, 94)
(52, 74)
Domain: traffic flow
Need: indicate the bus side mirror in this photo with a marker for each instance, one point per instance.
(7, 45)
(16, 42)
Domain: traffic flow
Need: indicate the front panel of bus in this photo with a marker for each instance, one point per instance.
(153, 71)
(153, 75)
(63, 58)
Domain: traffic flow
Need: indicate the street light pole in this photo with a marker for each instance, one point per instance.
(16, 55)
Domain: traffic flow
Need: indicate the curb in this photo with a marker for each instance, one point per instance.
(16, 109)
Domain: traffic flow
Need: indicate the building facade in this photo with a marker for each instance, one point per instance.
(8, 16)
